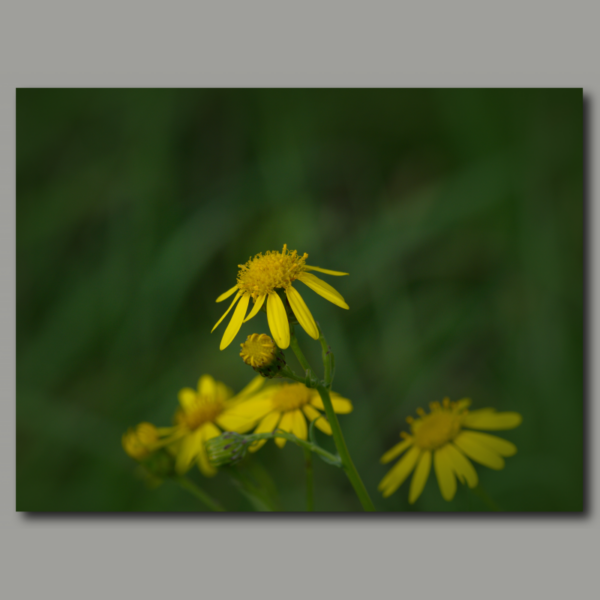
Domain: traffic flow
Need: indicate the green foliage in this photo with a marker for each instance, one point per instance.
(457, 213)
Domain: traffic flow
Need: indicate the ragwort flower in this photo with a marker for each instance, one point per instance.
(259, 279)
(284, 406)
(441, 436)
(201, 414)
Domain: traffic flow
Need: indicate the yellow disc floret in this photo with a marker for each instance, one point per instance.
(439, 427)
(204, 410)
(259, 350)
(291, 396)
(265, 273)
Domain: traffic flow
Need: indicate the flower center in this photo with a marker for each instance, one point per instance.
(436, 429)
(263, 274)
(206, 410)
(291, 396)
(258, 350)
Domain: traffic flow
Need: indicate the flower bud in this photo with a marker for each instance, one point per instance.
(228, 448)
(261, 353)
(138, 441)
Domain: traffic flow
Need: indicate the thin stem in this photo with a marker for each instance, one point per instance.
(296, 349)
(310, 501)
(327, 356)
(338, 437)
(340, 443)
(330, 458)
(191, 487)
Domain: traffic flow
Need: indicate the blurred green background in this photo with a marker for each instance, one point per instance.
(457, 213)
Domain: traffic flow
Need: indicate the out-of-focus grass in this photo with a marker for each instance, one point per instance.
(457, 213)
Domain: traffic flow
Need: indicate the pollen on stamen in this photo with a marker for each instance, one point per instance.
(265, 273)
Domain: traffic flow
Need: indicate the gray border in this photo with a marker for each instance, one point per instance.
(311, 43)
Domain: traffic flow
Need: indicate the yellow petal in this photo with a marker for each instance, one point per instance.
(312, 414)
(210, 431)
(278, 321)
(257, 306)
(444, 473)
(241, 417)
(395, 451)
(286, 425)
(323, 289)
(187, 399)
(226, 294)
(326, 271)
(227, 311)
(207, 386)
(267, 425)
(236, 322)
(488, 418)
(299, 425)
(207, 431)
(341, 406)
(302, 313)
(399, 472)
(479, 453)
(493, 442)
(188, 450)
(460, 404)
(420, 477)
(462, 466)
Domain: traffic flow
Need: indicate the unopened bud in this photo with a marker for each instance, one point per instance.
(228, 448)
(262, 354)
(139, 441)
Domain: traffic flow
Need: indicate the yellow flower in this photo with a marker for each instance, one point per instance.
(284, 406)
(201, 414)
(140, 441)
(441, 435)
(259, 279)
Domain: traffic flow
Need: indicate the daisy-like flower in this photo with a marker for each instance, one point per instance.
(259, 279)
(201, 414)
(285, 406)
(444, 437)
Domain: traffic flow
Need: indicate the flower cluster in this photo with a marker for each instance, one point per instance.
(211, 409)
(212, 424)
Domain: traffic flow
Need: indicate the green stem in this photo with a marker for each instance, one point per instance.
(296, 349)
(330, 458)
(191, 487)
(327, 356)
(310, 501)
(338, 436)
(340, 443)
